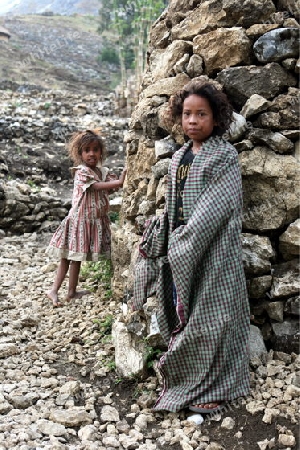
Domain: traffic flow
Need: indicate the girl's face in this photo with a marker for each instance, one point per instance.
(91, 155)
(197, 119)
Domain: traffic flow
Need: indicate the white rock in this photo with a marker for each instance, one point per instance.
(71, 417)
(88, 433)
(196, 418)
(269, 414)
(228, 423)
(141, 421)
(50, 428)
(109, 414)
(266, 444)
(111, 441)
(255, 407)
(186, 446)
(286, 440)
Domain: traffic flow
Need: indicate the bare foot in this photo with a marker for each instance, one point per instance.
(77, 294)
(54, 298)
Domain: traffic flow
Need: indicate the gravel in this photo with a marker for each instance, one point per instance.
(58, 389)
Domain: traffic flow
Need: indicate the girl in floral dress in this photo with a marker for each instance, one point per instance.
(84, 234)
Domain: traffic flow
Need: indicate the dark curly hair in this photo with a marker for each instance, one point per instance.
(80, 140)
(218, 101)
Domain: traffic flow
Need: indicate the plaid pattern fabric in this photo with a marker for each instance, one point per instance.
(152, 253)
(153, 273)
(207, 333)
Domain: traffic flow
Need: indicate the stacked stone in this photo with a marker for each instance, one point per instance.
(252, 52)
(23, 209)
(53, 115)
(34, 127)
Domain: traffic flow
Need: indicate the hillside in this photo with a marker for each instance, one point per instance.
(57, 6)
(55, 52)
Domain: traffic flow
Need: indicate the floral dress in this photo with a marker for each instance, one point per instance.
(85, 233)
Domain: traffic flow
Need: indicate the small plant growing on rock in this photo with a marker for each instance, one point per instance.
(47, 105)
(97, 274)
(16, 104)
(152, 355)
(33, 186)
(111, 365)
(114, 216)
(104, 326)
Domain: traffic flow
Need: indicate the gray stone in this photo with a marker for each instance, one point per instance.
(19, 401)
(286, 336)
(292, 306)
(277, 45)
(254, 105)
(289, 241)
(165, 147)
(228, 423)
(275, 310)
(162, 62)
(237, 128)
(257, 345)
(257, 287)
(257, 252)
(286, 440)
(242, 82)
(161, 168)
(276, 141)
(285, 279)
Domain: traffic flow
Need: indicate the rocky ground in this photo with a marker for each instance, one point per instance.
(58, 389)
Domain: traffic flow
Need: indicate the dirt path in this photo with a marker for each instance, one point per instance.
(58, 390)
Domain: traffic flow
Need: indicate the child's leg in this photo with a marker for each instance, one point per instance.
(59, 278)
(73, 281)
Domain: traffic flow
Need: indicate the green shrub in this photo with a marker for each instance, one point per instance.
(114, 216)
(152, 355)
(97, 273)
(109, 55)
(104, 325)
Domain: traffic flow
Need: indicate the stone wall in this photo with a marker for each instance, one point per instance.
(24, 210)
(251, 49)
(35, 180)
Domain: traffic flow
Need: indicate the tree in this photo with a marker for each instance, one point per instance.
(128, 22)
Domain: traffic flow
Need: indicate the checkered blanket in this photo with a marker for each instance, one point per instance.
(208, 330)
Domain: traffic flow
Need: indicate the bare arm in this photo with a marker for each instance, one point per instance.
(112, 184)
